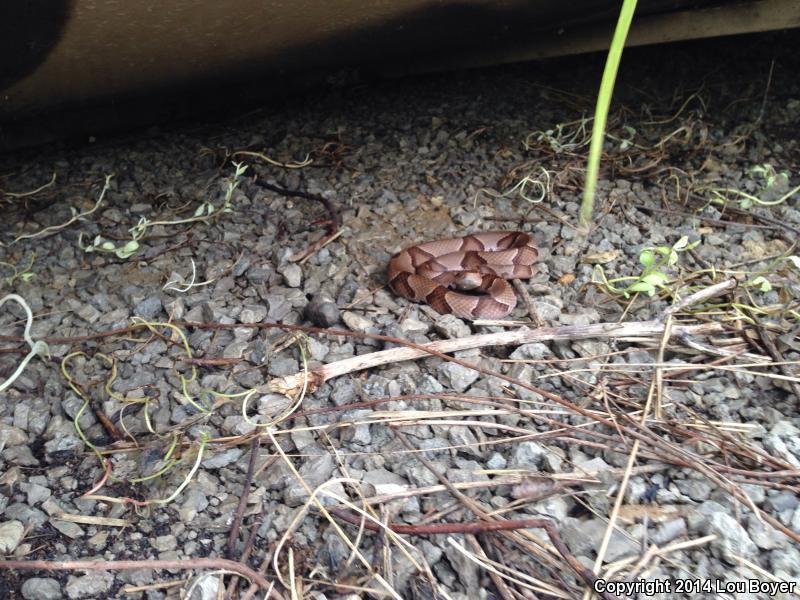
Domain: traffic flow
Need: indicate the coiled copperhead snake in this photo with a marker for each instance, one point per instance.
(479, 262)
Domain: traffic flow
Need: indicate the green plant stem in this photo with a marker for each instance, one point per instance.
(601, 110)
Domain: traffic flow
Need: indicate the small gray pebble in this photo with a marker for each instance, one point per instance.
(450, 326)
(356, 322)
(91, 585)
(149, 308)
(322, 312)
(292, 274)
(496, 461)
(11, 533)
(41, 588)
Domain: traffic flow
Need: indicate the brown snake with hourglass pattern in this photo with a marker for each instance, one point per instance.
(479, 262)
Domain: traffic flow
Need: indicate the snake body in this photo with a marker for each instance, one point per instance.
(479, 263)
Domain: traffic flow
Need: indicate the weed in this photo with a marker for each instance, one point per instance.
(76, 216)
(540, 186)
(37, 348)
(204, 212)
(564, 138)
(655, 260)
(25, 274)
(773, 184)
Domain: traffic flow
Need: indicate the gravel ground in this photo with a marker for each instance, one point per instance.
(402, 162)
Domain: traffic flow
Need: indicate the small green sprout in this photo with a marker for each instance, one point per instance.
(760, 282)
(23, 273)
(626, 140)
(772, 179)
(101, 244)
(655, 260)
(773, 186)
(565, 138)
(204, 212)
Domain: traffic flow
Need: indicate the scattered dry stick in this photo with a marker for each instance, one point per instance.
(499, 583)
(495, 523)
(637, 331)
(332, 225)
(653, 402)
(442, 528)
(123, 565)
(477, 527)
(292, 384)
(773, 351)
(255, 444)
(526, 299)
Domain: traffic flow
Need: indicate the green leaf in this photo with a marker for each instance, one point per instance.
(656, 279)
(762, 282)
(647, 258)
(128, 249)
(109, 246)
(681, 243)
(663, 250)
(642, 286)
(27, 276)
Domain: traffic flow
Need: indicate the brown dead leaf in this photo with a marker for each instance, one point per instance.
(601, 258)
(532, 488)
(631, 513)
(714, 168)
(566, 278)
(759, 250)
(133, 274)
